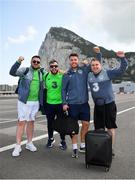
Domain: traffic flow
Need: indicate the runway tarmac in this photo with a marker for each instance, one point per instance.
(57, 164)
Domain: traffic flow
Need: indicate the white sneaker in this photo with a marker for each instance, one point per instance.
(30, 146)
(17, 150)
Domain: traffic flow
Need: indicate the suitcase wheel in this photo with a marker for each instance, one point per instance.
(107, 169)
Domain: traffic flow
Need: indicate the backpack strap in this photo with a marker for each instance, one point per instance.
(45, 78)
(41, 72)
(42, 91)
(46, 75)
(26, 71)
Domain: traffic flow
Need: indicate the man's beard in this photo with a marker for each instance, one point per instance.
(35, 68)
(54, 72)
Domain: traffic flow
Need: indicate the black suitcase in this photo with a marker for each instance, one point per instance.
(98, 146)
(98, 149)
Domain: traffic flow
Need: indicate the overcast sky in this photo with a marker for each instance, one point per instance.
(24, 24)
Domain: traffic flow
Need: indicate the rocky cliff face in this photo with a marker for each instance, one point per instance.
(57, 46)
(59, 43)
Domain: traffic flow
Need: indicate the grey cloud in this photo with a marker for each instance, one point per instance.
(119, 20)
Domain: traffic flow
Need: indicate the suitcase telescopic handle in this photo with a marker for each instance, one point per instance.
(103, 100)
(66, 113)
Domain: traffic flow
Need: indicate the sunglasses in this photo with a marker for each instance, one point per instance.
(53, 66)
(36, 62)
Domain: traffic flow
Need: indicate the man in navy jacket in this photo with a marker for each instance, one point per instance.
(75, 98)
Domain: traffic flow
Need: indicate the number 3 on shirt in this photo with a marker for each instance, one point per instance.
(95, 87)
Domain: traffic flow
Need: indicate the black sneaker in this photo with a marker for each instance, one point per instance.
(63, 145)
(82, 149)
(75, 153)
(50, 143)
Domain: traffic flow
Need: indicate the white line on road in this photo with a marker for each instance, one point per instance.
(126, 110)
(13, 120)
(7, 120)
(5, 148)
(9, 111)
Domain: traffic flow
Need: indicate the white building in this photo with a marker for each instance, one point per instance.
(124, 87)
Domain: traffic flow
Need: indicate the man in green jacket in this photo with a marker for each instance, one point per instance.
(53, 84)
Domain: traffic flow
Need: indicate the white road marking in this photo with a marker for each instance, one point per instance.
(7, 120)
(13, 120)
(5, 148)
(9, 111)
(126, 110)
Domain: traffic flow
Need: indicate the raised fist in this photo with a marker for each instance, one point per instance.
(84, 62)
(96, 49)
(120, 54)
(61, 71)
(21, 58)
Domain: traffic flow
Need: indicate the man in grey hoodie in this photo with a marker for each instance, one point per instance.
(100, 82)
